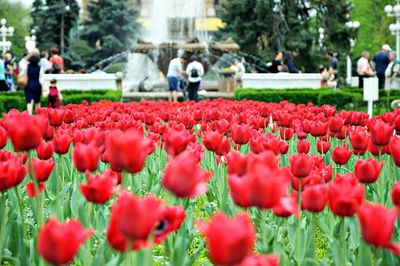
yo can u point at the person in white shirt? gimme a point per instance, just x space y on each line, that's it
45 65
364 69
175 70
195 72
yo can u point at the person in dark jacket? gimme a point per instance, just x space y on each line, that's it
276 63
33 91
289 62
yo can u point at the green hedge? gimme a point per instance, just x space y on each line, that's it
338 98
9 100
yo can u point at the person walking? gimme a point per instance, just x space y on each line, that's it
33 90
9 70
3 84
175 70
364 69
195 72
380 61
57 61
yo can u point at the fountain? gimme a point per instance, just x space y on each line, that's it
173 32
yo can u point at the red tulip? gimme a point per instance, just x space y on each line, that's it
69 117
214 141
12 173
56 117
285 119
286 133
286 207
260 260
335 124
170 220
41 169
380 133
45 150
85 157
319 129
240 134
176 141
396 194
394 148
262 185
58 243
303 146
99 188
33 191
229 241
26 131
341 155
377 226
368 171
301 165
61 142
358 118
359 141
237 163
3 137
314 198
323 146
127 150
138 217
345 195
184 178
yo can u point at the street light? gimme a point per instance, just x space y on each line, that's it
394 12
353 26
5 32
30 41
321 38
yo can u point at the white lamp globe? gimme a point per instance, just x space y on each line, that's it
30 45
3 21
11 30
356 24
392 27
388 9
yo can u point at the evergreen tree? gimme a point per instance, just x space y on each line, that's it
262 27
111 28
50 19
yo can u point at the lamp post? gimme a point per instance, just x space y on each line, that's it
30 41
321 38
5 32
353 26
394 12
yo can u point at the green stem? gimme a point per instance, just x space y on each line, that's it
343 240
2 223
21 213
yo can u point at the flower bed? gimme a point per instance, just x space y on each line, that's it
217 182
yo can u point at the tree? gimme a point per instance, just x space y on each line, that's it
374 30
111 28
53 21
262 27
18 17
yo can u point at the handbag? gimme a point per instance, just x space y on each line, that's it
23 80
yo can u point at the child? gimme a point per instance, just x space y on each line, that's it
54 97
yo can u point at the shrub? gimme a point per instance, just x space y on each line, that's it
339 98
9 100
